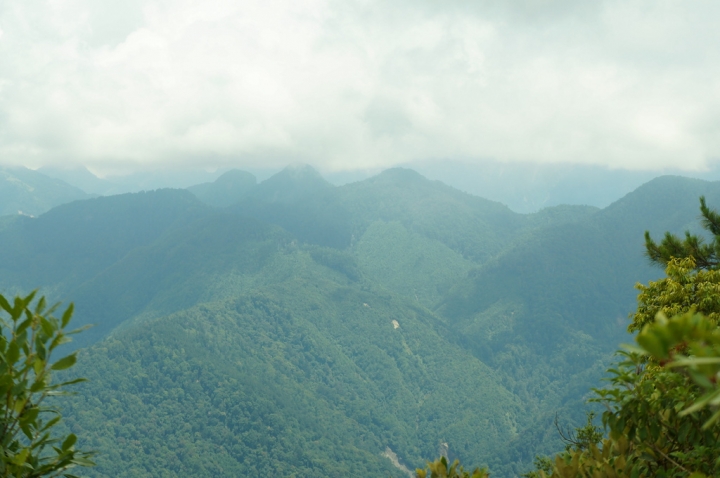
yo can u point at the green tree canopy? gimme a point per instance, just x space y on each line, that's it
684 288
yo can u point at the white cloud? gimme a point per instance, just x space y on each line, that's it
358 84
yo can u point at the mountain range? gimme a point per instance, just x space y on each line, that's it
293 327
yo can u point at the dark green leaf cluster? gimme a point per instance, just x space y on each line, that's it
28 337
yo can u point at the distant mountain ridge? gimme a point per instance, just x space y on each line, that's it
523 187
530 187
230 188
28 192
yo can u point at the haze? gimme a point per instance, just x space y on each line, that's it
357 85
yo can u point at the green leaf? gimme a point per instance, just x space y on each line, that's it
13 353
20 458
690 361
40 305
82 461
65 362
52 422
23 326
713 420
633 349
67 315
30 416
5 305
701 402
40 349
652 344
69 442
59 339
80 329
72 382
38 385
47 327
27 430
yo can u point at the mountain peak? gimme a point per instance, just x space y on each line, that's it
401 175
293 182
300 171
236 177
231 187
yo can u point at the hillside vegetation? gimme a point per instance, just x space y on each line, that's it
295 328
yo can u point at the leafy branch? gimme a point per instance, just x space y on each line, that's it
29 336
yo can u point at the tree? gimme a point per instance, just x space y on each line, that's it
29 334
692 267
684 288
706 256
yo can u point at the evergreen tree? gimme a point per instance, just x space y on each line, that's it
705 255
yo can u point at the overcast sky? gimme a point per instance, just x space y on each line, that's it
358 84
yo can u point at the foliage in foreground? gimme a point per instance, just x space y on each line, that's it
28 337
660 414
440 468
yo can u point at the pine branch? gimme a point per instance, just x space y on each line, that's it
710 218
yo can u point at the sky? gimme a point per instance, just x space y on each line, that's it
359 84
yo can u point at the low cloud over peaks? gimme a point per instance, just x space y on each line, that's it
350 85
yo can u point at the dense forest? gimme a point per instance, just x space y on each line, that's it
295 328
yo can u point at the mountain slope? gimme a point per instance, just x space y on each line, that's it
315 212
312 377
230 188
548 312
24 191
74 242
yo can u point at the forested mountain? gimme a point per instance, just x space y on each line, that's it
118 183
228 189
293 327
72 243
27 192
